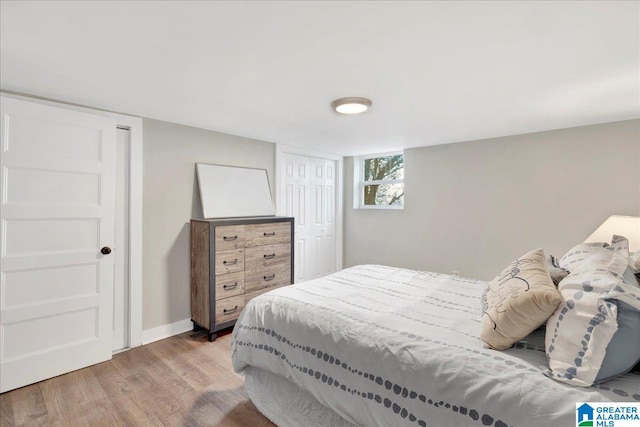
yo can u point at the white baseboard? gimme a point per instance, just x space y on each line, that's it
166 331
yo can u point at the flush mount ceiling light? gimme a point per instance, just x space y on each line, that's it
351 105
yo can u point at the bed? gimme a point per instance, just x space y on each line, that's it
374 345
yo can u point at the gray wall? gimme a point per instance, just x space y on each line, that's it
171 199
474 207
471 207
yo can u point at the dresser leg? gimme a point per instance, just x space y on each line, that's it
212 336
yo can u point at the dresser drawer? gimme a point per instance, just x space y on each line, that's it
267 234
264 256
229 285
229 237
229 308
269 277
229 261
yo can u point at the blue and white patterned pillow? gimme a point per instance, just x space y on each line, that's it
634 267
634 261
580 330
579 253
623 352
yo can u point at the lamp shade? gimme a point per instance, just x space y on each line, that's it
627 226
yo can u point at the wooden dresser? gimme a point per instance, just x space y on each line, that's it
233 261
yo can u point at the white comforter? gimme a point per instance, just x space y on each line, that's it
382 346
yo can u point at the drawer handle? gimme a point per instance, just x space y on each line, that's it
234 262
227 287
273 233
229 239
269 256
231 310
271 277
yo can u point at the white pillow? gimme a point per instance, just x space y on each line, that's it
579 331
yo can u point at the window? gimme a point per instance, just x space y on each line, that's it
380 181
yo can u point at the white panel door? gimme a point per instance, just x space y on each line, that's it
56 213
309 193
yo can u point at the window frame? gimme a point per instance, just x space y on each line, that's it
360 183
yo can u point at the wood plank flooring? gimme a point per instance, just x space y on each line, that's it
179 381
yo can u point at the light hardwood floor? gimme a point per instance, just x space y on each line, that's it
179 381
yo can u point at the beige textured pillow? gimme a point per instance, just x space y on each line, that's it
518 301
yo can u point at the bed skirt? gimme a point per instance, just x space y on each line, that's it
285 404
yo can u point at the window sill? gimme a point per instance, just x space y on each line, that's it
376 208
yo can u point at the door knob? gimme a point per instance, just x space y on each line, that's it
105 250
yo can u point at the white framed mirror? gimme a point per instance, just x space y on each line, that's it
229 191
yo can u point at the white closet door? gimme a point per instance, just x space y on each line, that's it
57 212
309 196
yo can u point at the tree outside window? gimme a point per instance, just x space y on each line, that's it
382 181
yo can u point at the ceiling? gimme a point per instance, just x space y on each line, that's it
437 72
